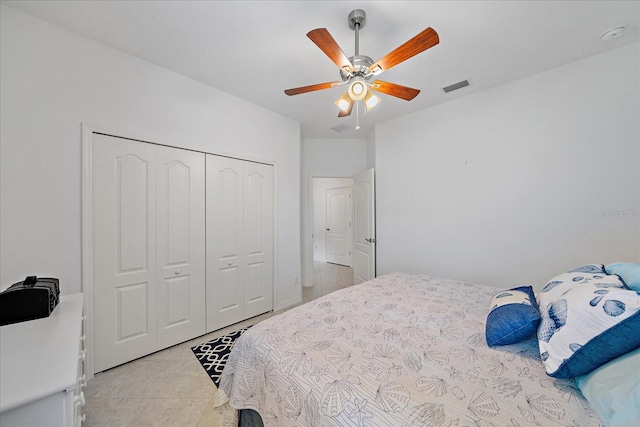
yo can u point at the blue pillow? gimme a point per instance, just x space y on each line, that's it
587 319
513 317
628 271
613 390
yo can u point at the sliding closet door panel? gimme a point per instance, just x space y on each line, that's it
224 241
180 244
258 238
124 262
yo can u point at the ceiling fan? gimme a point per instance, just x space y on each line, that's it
358 71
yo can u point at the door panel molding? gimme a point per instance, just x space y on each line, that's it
239 218
224 241
124 224
180 189
339 230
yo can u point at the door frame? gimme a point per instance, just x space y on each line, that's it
312 219
86 203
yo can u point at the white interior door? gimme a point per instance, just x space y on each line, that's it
224 235
124 250
258 238
180 245
365 227
338 230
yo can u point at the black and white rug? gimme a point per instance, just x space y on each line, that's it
213 354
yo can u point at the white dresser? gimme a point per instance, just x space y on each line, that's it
42 368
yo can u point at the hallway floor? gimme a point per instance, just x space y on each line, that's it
327 278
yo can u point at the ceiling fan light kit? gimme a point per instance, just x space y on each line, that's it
343 102
357 88
371 101
358 70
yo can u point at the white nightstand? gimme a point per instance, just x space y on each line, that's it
42 368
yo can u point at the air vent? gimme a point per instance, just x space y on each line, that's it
341 127
456 86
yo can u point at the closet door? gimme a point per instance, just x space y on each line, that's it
258 238
225 296
180 245
124 250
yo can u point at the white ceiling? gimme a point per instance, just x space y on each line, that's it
256 49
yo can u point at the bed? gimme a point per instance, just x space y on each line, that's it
399 350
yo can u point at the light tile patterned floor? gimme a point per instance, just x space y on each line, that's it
170 388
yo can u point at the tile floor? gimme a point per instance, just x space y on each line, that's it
170 388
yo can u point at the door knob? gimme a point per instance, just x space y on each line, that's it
229 263
176 272
327 229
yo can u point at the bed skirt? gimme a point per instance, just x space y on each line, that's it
231 417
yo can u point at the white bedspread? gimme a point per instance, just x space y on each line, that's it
399 350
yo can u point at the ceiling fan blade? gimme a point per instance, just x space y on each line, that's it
326 43
399 91
348 112
423 41
311 88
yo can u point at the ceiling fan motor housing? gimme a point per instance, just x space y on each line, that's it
361 65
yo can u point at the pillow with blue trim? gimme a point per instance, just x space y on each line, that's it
513 317
587 319
628 272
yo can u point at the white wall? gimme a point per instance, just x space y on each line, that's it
53 80
319 216
515 184
371 149
325 158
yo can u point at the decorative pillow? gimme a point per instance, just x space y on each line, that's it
562 283
628 271
588 319
613 390
513 317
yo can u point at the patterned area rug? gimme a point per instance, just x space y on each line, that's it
213 354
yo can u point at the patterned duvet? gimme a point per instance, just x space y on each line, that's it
399 350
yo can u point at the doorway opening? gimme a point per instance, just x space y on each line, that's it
332 234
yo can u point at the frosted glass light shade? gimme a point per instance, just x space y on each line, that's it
371 101
357 89
343 102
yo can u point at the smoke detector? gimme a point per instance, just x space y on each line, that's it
612 34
